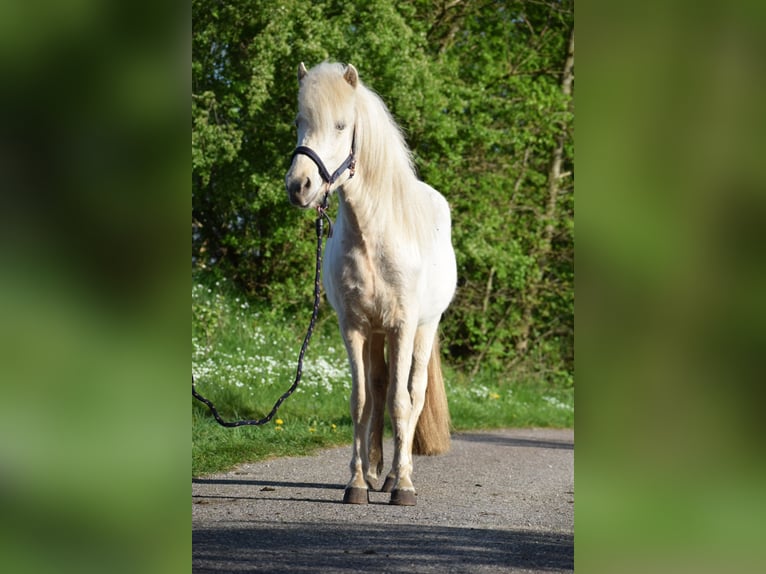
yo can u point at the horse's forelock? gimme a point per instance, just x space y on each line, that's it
324 92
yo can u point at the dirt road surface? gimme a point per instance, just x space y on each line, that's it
499 501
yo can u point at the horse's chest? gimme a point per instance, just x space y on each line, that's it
365 283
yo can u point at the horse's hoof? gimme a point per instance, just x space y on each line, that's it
388 485
402 497
356 495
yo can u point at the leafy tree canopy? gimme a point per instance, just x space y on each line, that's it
484 93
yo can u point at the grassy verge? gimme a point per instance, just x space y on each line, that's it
244 358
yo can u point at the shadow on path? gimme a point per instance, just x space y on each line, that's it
513 441
275 483
362 547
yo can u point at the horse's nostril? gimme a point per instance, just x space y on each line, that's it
293 188
307 184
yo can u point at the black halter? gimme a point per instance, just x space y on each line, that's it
348 164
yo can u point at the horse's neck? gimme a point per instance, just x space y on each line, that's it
360 220
397 217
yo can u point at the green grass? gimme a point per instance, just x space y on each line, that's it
244 358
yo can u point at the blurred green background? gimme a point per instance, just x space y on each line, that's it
670 287
94 429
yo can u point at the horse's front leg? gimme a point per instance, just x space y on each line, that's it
406 400
399 481
357 345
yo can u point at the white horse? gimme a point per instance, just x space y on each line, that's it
389 271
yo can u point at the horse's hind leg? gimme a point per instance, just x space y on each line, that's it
357 346
377 384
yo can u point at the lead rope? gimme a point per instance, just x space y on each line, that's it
321 216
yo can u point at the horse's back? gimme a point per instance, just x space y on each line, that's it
439 267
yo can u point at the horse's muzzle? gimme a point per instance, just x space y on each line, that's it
302 190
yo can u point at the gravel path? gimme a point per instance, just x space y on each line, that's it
499 501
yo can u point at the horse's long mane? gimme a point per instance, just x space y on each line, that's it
385 169
383 155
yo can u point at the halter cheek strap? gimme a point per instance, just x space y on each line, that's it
348 164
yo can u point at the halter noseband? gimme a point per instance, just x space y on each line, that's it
348 164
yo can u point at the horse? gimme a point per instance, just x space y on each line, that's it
389 271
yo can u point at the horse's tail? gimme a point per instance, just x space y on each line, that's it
432 433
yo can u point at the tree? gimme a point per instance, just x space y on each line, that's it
509 174
483 91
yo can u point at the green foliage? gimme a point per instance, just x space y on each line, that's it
477 88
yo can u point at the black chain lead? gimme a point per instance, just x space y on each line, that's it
321 216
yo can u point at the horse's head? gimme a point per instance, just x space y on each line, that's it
325 123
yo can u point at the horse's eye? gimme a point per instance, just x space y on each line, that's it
340 126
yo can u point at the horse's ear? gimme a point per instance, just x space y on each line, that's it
302 71
351 75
